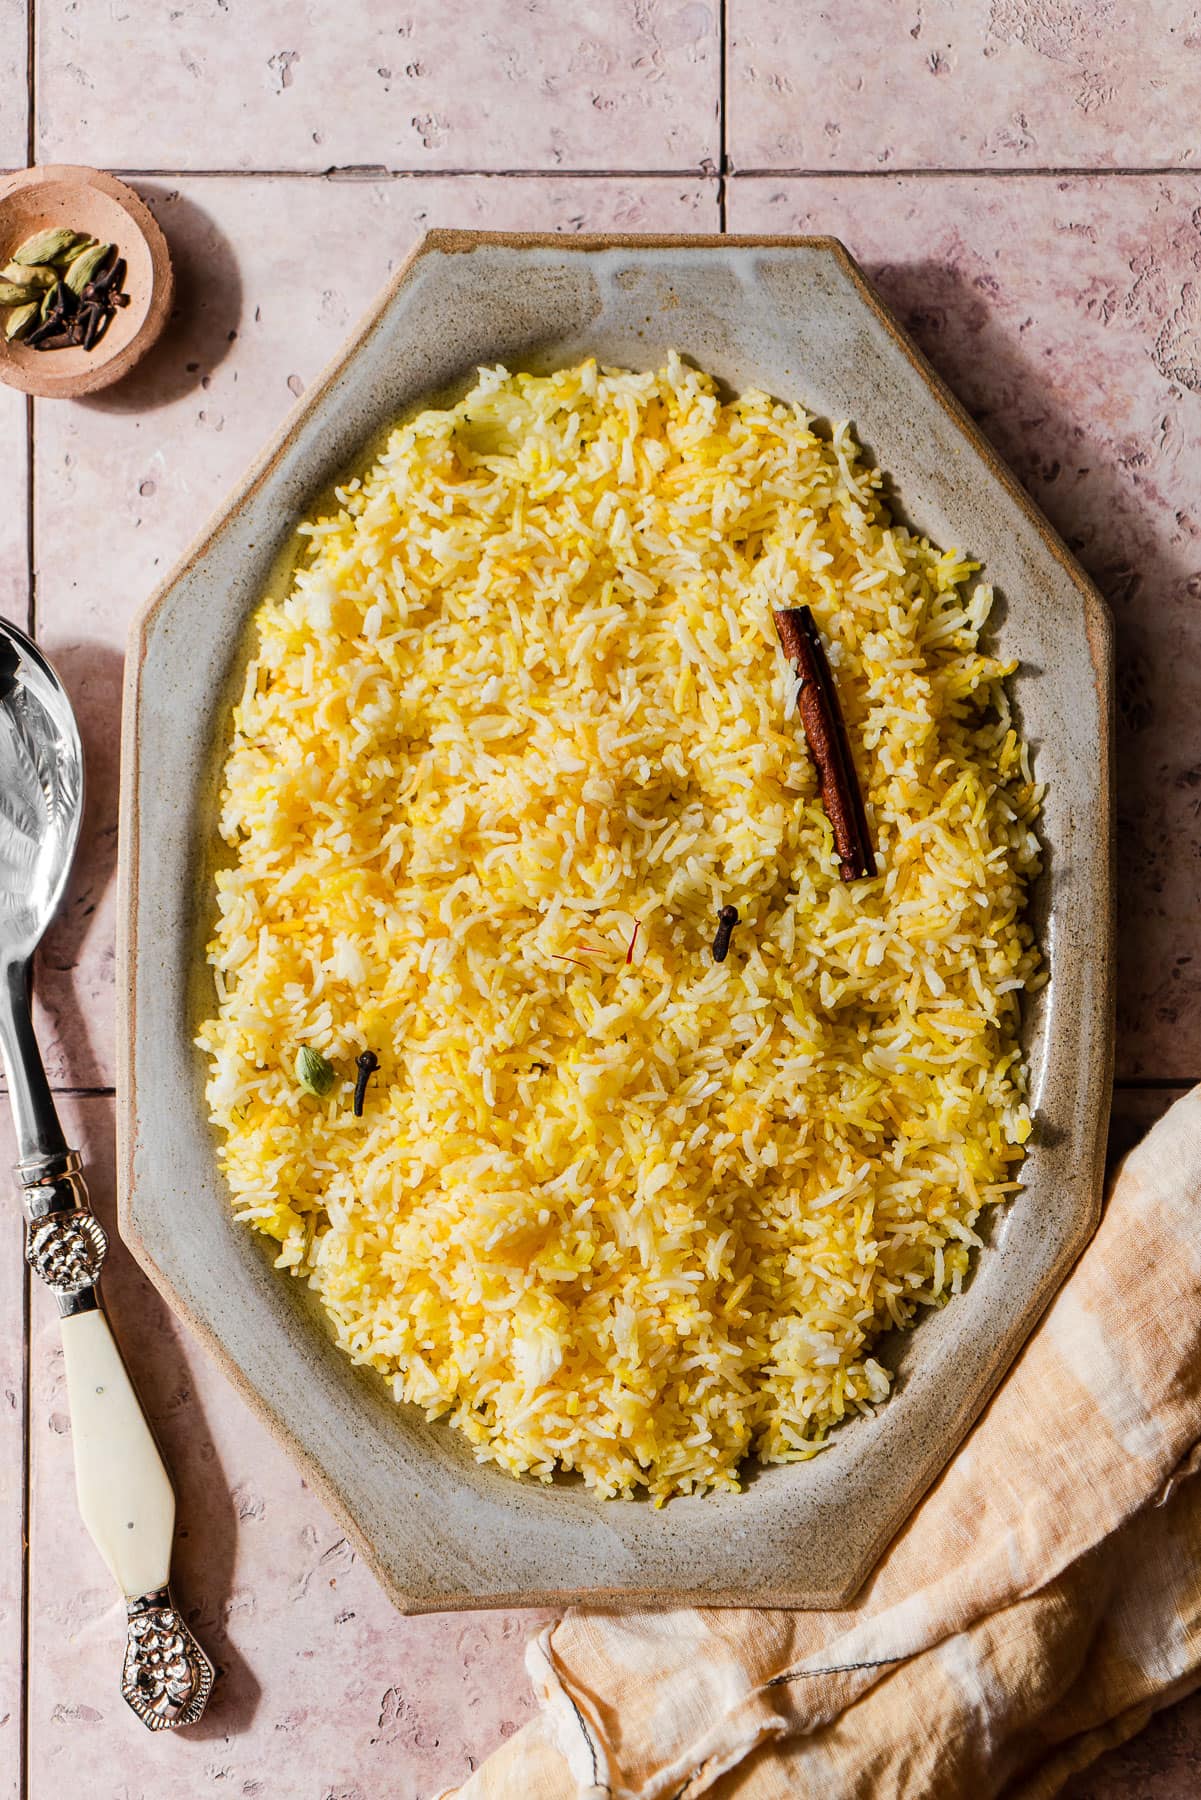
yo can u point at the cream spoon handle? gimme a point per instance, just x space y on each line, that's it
125 1496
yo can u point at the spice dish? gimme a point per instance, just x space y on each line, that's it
81 342
625 1198
796 321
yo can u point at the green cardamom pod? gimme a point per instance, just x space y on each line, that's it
44 246
314 1072
20 320
82 242
48 299
34 280
84 266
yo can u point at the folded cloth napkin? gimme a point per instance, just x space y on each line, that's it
1040 1605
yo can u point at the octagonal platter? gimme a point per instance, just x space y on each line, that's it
795 317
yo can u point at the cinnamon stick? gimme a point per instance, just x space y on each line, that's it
825 732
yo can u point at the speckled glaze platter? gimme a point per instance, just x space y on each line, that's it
797 317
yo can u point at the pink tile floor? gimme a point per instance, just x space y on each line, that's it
1016 175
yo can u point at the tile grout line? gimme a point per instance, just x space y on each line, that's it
23 1750
27 1273
23 1758
1061 172
723 158
31 68
693 172
379 172
1150 1084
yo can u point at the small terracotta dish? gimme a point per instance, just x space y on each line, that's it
87 200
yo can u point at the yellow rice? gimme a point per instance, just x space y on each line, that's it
634 1215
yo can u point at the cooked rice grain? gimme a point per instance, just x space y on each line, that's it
632 1215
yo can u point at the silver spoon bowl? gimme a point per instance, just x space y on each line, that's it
41 810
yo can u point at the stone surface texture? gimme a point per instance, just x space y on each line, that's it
14 508
524 84
962 84
14 111
1061 306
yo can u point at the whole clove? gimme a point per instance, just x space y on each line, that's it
727 918
90 317
57 309
366 1064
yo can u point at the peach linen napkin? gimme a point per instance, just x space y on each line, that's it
1042 1602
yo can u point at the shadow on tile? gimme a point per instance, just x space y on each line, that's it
92 674
204 319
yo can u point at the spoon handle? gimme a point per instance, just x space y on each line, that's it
35 1120
128 1505
125 1494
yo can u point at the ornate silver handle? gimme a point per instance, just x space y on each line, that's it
65 1242
125 1493
167 1678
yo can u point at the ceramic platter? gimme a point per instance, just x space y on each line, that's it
795 317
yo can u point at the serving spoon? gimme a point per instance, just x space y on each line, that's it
125 1493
